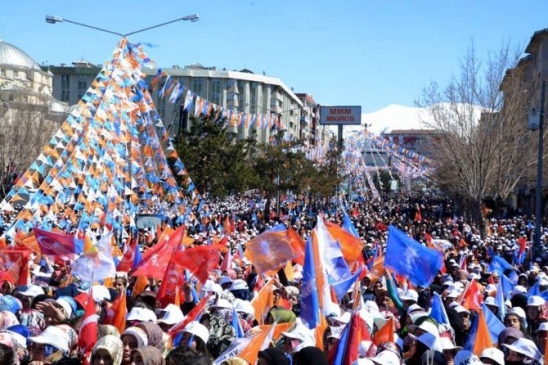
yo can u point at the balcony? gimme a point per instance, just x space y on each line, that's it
276 95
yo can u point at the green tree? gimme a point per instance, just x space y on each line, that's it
281 165
217 163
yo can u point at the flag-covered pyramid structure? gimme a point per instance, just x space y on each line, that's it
109 161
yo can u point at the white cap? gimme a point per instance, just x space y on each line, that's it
301 332
490 288
426 326
518 289
494 354
53 336
525 347
543 327
222 303
535 301
414 307
239 284
410 295
197 329
490 301
386 357
244 306
100 293
465 357
32 291
141 314
518 311
460 309
447 344
172 315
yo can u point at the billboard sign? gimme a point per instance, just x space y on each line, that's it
340 115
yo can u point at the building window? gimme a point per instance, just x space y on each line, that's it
231 97
253 98
161 107
82 83
198 86
216 91
65 82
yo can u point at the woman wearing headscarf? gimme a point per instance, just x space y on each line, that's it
221 332
107 350
148 355
154 335
508 336
132 338
34 321
280 316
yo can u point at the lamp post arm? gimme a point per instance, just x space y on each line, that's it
158 25
92 27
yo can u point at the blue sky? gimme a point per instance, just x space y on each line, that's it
345 52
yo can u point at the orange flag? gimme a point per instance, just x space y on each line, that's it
385 334
377 270
278 329
320 330
351 247
472 297
116 314
140 285
263 301
483 338
297 245
258 343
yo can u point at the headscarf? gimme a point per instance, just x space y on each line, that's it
108 329
283 316
150 354
509 332
113 345
154 335
236 361
219 330
71 334
7 319
33 320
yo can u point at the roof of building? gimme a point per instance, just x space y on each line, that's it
13 56
535 40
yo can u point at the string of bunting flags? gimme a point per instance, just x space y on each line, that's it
110 160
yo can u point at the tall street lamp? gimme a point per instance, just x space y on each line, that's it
52 19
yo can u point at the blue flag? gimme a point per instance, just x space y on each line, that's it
437 310
499 300
499 265
507 286
342 344
493 323
310 305
410 259
236 324
348 226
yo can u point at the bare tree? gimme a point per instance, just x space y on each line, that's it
26 126
484 149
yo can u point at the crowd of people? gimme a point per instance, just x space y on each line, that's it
41 323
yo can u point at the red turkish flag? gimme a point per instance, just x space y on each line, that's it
156 259
88 329
174 277
199 260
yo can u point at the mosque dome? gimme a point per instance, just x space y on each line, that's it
13 56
